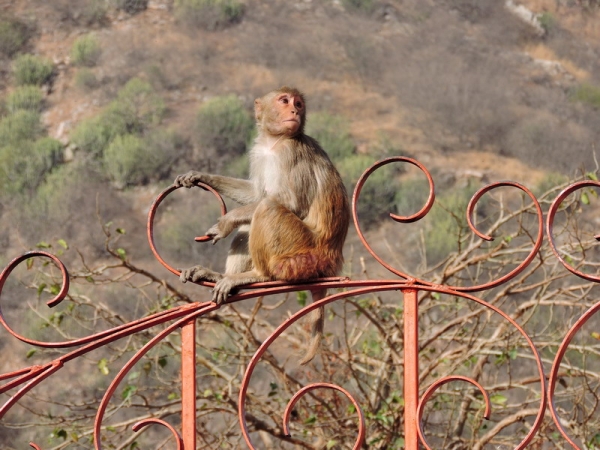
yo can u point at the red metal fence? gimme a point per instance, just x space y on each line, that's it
185 317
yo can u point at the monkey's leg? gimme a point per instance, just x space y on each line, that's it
238 258
281 245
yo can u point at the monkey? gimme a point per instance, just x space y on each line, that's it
294 213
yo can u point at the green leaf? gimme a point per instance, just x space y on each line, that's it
122 253
59 433
311 420
591 176
55 289
41 288
585 199
43 245
63 244
103 366
162 361
498 399
301 297
30 353
120 230
128 392
30 263
332 443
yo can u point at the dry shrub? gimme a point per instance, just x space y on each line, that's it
209 14
13 35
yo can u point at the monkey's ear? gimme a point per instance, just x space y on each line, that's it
258 109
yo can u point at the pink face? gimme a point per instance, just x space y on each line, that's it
290 112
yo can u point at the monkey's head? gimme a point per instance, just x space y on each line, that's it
281 112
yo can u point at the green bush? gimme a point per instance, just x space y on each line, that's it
131 6
86 51
136 108
21 126
547 21
333 134
31 69
85 79
224 125
13 36
49 151
378 195
588 94
162 149
24 165
121 160
25 97
92 136
364 6
132 160
209 14
90 11
447 224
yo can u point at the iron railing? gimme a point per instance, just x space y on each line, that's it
184 317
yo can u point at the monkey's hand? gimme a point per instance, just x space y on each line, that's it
189 179
221 229
198 273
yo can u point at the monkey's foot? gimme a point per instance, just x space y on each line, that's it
199 273
225 286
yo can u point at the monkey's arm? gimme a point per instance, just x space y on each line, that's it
241 191
230 221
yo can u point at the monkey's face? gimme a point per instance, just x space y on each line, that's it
281 114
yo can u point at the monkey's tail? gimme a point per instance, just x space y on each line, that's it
317 322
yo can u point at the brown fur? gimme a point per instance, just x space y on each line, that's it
294 202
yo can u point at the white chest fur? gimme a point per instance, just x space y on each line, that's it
266 169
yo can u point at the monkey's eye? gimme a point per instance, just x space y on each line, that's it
299 105
284 100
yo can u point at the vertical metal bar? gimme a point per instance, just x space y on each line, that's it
411 368
188 385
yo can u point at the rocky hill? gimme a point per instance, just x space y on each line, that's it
480 89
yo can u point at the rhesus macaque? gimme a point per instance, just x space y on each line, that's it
294 215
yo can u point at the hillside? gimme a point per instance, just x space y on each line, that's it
473 89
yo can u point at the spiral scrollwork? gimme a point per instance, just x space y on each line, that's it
550 227
51 303
403 219
431 391
361 417
534 250
470 211
580 323
154 421
152 215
